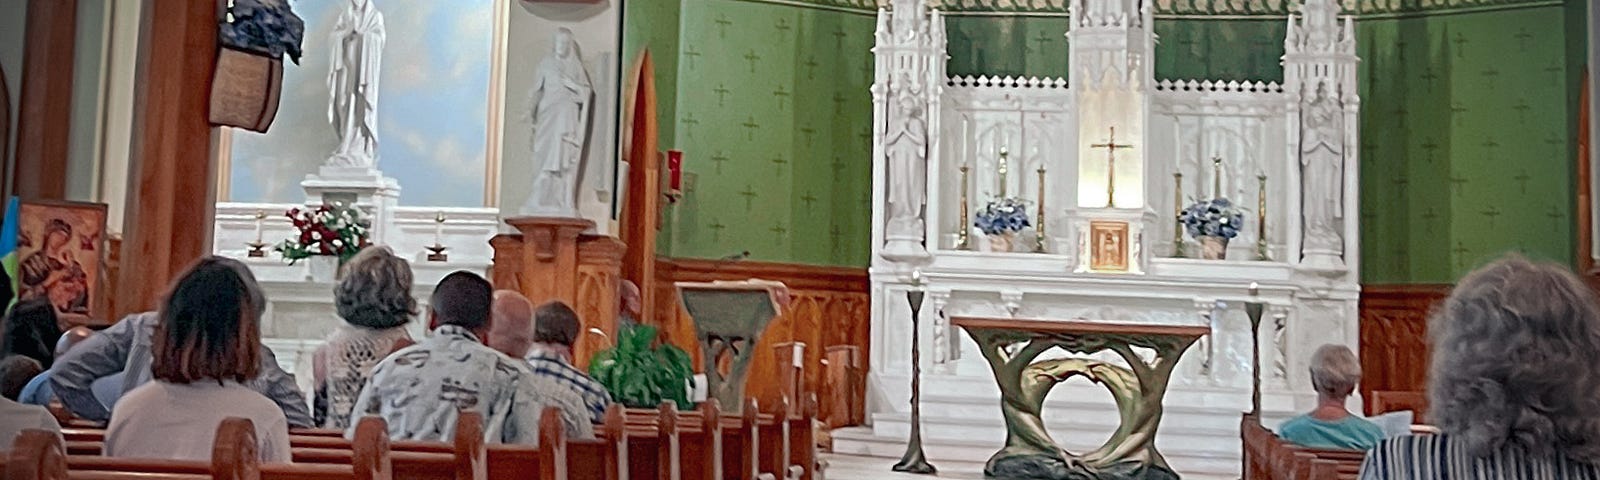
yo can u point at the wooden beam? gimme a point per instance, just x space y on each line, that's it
641 212
171 195
44 111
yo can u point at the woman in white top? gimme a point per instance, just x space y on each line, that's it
204 347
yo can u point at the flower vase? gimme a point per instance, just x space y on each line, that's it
1213 248
322 268
1001 242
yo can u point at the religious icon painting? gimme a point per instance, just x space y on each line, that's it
1108 246
60 248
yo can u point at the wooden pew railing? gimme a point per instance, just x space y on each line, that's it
1267 457
665 444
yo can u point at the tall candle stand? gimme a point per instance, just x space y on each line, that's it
964 227
1038 231
258 248
1253 309
436 251
1177 215
1262 253
914 460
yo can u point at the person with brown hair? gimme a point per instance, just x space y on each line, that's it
374 300
555 331
125 349
422 389
16 417
206 345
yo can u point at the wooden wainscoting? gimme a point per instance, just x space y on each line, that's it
831 307
1394 336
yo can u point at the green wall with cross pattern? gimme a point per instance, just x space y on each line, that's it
1467 119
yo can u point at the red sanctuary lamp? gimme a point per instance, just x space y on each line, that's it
674 175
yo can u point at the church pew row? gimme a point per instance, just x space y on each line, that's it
1267 457
40 455
741 447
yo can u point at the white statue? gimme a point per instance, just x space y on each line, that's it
906 147
1322 165
357 50
558 106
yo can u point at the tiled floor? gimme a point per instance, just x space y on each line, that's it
847 467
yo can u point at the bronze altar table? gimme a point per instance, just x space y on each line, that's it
1011 345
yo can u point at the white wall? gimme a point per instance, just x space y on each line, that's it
598 31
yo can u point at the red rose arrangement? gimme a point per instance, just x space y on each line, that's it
335 230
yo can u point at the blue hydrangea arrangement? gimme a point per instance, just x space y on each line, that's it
1003 216
266 26
1217 217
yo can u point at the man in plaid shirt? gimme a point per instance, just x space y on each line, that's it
555 330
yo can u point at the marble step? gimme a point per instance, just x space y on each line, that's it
1075 435
862 441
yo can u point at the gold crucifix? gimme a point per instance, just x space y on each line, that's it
1111 147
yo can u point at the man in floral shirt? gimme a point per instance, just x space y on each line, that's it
420 390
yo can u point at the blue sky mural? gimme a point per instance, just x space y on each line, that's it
432 107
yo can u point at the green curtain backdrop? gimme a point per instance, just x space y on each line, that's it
1466 122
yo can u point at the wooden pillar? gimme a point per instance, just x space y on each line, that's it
172 172
641 212
44 111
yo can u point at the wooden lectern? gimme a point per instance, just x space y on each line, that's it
729 317
553 259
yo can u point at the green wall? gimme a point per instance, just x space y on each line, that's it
773 114
1466 149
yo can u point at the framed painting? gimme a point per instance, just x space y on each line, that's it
1108 246
60 248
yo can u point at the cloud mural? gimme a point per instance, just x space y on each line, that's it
432 107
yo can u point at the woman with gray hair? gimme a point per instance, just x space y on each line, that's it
1334 374
374 299
1513 386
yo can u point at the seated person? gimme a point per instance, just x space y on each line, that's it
555 332
38 392
31 330
374 301
630 304
1334 374
206 346
1512 385
15 417
126 347
421 389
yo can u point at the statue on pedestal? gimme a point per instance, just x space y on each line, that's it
558 107
1322 164
357 49
907 149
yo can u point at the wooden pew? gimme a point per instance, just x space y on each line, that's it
35 455
234 457
1267 457
462 459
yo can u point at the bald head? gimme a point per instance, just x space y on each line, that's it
71 337
512 328
630 299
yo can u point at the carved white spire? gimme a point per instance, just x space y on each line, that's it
1320 79
910 72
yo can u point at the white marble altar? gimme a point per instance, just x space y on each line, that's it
1172 126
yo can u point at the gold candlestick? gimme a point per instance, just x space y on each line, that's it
258 248
1261 219
1216 177
1005 166
1038 232
1177 215
962 240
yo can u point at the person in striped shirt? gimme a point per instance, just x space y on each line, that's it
555 331
1514 386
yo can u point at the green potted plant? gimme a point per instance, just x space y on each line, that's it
640 372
